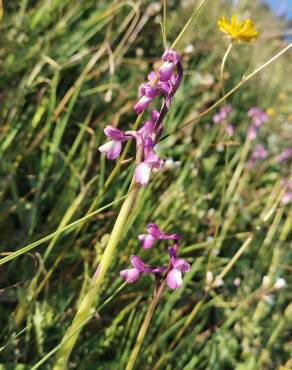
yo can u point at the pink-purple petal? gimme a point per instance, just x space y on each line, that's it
112 149
137 263
165 71
181 265
142 104
174 279
142 173
114 133
146 240
130 275
153 230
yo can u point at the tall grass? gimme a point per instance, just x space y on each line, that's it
69 68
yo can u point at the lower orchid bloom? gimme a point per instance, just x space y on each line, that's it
133 274
172 272
174 276
154 233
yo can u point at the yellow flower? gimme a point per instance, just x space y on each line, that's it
270 111
239 31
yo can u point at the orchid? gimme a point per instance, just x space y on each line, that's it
177 267
286 155
154 233
172 273
113 148
165 84
223 114
257 116
170 59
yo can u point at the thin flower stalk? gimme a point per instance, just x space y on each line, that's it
144 327
223 66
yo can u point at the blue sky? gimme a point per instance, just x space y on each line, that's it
280 7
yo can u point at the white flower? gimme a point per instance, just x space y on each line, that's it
189 49
218 282
280 283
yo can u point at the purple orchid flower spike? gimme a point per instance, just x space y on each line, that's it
154 233
165 85
112 149
223 114
286 155
257 116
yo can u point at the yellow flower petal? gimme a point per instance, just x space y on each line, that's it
239 31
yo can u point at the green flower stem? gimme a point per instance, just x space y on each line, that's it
144 327
86 305
221 78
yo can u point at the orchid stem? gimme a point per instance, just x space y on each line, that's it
86 305
144 327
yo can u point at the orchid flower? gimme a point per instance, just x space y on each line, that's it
286 155
171 273
177 267
223 114
257 116
252 132
170 59
154 233
131 275
151 160
113 148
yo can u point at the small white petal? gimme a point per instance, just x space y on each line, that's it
280 283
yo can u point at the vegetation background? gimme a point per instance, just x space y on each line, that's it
68 68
